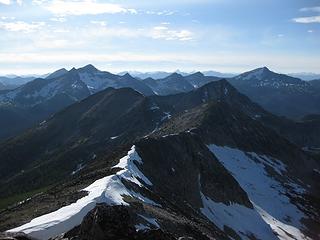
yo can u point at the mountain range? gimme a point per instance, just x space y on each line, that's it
35 101
161 74
8 83
207 163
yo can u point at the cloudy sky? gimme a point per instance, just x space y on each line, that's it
39 36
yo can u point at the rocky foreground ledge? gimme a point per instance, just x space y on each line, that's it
104 222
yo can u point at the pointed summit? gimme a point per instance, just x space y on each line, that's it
127 75
196 74
89 68
175 75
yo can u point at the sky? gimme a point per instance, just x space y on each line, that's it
40 36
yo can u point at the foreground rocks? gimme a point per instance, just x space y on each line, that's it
114 223
14 236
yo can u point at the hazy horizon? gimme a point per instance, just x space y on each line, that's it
42 73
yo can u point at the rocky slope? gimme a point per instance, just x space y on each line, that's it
198 165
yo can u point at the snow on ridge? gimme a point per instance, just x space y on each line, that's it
109 190
268 195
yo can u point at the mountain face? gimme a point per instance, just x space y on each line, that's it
278 93
195 165
57 73
161 75
8 83
154 75
315 83
218 74
176 83
2 86
41 98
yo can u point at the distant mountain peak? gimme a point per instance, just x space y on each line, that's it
127 75
174 75
197 74
73 69
261 70
89 68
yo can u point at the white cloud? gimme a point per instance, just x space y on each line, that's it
311 9
226 61
84 7
313 19
99 23
7 18
163 32
6 2
310 31
160 13
20 26
59 19
39 2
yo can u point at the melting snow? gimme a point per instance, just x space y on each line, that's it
268 195
108 190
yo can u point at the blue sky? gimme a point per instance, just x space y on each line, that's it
39 36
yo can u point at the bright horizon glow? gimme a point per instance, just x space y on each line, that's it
41 36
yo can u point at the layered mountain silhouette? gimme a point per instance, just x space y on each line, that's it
41 98
204 164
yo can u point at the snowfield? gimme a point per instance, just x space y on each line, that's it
268 195
108 190
273 215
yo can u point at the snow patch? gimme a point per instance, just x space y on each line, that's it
109 190
243 220
268 195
